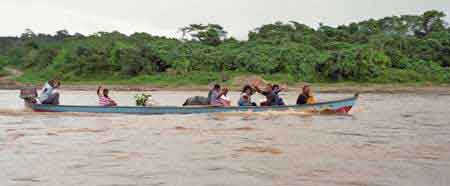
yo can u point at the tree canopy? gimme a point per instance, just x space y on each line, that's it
406 48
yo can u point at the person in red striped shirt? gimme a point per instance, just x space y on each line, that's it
104 99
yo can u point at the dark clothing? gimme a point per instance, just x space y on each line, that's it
305 99
209 96
279 101
302 99
272 98
196 100
52 99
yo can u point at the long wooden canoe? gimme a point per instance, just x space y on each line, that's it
340 106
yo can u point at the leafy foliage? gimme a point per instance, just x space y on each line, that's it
405 48
143 100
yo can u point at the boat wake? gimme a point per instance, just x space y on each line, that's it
15 112
281 113
28 112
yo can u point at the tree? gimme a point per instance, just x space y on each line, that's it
28 34
392 49
210 34
432 21
62 34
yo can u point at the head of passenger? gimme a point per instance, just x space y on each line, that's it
225 91
57 84
307 90
217 87
105 92
275 87
52 82
247 90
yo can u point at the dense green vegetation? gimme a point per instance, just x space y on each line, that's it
3 72
407 48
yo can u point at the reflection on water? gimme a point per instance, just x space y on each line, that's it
399 139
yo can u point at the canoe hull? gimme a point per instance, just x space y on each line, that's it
340 106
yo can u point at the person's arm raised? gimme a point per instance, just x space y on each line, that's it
257 89
98 90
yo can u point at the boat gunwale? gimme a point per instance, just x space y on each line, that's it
42 106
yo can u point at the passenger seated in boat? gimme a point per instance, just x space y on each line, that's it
216 88
214 95
271 93
246 97
225 99
202 100
50 94
306 97
104 99
278 99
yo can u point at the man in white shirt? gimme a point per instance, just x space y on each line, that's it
50 94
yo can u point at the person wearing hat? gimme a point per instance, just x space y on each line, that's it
306 97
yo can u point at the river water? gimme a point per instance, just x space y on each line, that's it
388 139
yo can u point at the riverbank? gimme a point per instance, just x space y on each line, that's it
13 81
323 88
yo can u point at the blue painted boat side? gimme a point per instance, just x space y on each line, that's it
332 105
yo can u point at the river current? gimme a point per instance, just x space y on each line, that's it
388 139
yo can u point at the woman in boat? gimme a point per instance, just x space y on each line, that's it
50 94
246 97
306 97
225 99
104 99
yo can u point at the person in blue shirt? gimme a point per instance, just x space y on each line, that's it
246 97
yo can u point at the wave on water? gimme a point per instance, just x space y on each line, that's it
29 112
238 129
80 130
277 113
15 112
258 149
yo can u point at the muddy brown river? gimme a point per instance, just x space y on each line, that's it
388 139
